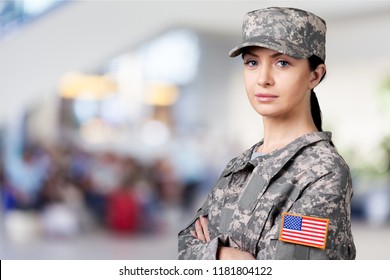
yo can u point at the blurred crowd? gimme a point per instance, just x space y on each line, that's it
69 190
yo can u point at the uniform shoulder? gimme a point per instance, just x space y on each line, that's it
325 162
328 154
323 158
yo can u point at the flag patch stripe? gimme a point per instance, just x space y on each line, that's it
306 240
294 232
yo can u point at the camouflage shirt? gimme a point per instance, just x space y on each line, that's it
244 208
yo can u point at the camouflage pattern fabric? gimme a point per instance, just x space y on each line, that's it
307 177
291 31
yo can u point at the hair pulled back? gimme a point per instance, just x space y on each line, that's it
316 114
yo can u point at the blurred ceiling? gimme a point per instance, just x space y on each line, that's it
150 17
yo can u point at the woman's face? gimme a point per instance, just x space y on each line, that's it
277 85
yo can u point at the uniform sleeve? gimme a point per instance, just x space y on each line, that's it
329 197
191 248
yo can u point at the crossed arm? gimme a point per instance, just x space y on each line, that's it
224 253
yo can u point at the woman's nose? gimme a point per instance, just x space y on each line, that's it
264 78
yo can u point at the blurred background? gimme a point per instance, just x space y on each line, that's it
118 116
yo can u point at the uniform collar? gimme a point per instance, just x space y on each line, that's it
278 158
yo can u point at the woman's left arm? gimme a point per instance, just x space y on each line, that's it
223 253
329 197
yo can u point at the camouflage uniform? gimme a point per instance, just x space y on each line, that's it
307 177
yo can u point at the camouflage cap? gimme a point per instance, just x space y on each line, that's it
291 31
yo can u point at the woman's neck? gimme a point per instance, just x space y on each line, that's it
280 132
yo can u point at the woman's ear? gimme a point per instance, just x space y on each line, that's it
316 75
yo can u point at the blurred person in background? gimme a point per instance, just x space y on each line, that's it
25 177
123 211
105 176
129 206
168 186
289 195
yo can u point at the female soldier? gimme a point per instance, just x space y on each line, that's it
288 196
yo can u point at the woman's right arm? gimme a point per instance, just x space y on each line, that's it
195 244
199 241
223 252
190 247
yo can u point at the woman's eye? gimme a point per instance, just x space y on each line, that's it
283 63
250 63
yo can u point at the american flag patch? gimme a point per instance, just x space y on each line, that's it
304 230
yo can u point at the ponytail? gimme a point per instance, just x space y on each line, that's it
316 114
315 110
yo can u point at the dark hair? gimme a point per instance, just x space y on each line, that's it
316 114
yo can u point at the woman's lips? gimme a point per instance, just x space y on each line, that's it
265 97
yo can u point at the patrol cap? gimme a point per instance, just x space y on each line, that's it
291 31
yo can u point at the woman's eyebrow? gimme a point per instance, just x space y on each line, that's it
274 55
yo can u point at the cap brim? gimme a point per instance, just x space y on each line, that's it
269 43
240 48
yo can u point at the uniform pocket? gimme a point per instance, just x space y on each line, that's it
226 219
290 251
251 193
